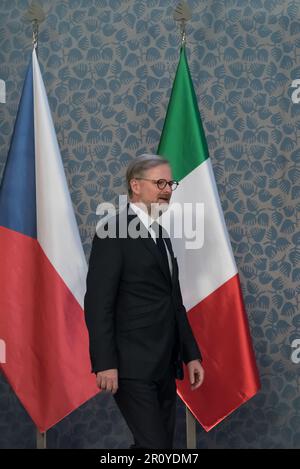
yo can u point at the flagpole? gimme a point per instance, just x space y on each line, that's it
191 442
41 439
182 14
35 15
35 34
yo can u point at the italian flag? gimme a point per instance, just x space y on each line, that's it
208 275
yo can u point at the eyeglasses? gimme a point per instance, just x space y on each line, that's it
162 183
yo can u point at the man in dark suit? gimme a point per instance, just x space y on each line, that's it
138 328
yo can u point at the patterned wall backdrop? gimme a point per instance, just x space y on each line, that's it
108 66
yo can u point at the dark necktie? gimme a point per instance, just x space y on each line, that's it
157 228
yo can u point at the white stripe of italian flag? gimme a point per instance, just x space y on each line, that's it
208 275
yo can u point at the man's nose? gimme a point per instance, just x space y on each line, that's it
168 189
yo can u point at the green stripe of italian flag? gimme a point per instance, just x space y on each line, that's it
208 275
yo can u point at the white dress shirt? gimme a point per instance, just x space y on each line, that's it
147 222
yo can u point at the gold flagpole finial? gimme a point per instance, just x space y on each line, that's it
36 16
182 14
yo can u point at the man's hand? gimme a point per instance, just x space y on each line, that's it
107 380
196 374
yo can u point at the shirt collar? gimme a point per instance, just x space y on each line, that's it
143 216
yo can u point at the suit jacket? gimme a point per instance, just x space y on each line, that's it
136 320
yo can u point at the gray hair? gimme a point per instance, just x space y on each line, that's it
140 164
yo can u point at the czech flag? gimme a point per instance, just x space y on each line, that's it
42 269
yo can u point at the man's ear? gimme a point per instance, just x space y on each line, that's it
135 186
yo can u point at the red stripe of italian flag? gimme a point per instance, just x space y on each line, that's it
208 275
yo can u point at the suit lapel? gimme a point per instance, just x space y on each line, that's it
150 244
